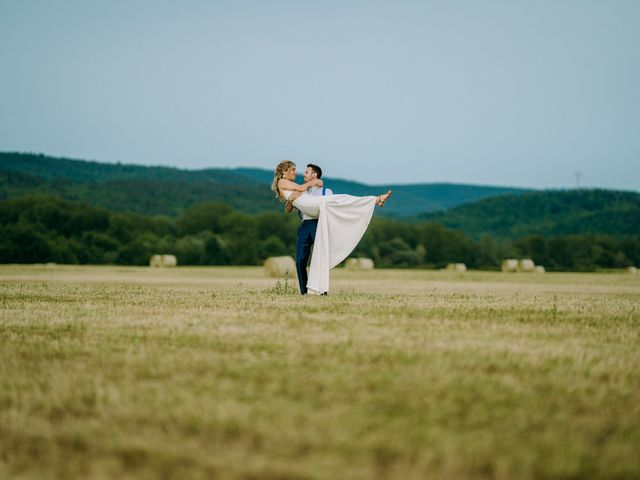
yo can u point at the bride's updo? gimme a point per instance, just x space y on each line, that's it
282 167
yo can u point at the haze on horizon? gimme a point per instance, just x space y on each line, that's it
497 92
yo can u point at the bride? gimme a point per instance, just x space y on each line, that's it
342 221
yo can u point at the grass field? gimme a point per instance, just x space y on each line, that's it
109 372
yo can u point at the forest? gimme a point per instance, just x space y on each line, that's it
156 190
85 212
45 228
547 213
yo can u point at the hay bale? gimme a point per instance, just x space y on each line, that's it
526 265
359 264
278 267
351 264
539 269
510 265
456 267
365 264
163 261
169 261
632 270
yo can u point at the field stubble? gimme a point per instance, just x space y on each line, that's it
120 372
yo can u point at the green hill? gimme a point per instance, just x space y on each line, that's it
170 191
476 210
122 214
546 213
83 171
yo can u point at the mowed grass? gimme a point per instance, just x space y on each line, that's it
110 372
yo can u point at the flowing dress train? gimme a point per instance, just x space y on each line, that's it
342 221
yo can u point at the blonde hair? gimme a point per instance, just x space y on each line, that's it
282 167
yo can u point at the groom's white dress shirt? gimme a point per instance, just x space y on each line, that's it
317 191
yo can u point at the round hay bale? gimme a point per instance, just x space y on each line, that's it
359 264
278 267
456 267
510 265
632 270
540 269
163 261
526 265
351 264
169 261
365 264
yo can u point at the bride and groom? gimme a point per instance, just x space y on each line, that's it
333 224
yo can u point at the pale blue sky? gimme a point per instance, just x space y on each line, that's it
507 92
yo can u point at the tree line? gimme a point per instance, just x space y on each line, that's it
40 228
548 213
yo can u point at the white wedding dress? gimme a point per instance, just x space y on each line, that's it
342 221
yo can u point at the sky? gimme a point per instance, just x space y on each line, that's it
521 93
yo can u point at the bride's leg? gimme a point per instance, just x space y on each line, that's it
383 198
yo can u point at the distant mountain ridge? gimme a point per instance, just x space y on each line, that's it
169 191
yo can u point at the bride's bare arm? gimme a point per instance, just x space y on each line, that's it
284 184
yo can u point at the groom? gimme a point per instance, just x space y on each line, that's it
307 231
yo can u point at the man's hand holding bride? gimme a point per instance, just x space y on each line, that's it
316 182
